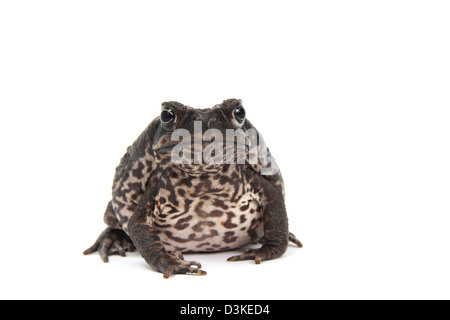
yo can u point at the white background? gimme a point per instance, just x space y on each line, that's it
352 97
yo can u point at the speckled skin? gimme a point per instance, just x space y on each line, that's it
162 208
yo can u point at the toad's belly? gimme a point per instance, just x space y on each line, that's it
207 225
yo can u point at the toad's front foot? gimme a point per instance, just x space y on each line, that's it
174 263
111 241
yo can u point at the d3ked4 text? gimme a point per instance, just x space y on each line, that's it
246 309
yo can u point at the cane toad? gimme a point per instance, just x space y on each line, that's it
218 195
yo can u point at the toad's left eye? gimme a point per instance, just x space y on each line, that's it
167 117
239 114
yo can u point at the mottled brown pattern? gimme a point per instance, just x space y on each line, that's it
162 208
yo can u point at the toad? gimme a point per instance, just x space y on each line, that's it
196 180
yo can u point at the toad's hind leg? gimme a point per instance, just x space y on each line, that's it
111 241
293 239
255 254
110 217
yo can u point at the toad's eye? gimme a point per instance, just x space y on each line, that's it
167 117
239 114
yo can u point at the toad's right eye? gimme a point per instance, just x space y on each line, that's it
167 117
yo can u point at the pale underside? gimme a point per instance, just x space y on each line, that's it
206 224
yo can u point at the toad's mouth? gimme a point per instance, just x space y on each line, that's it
202 155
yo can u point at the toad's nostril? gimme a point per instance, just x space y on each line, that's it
210 121
197 117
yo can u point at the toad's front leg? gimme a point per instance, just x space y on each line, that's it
276 231
148 243
152 250
276 237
